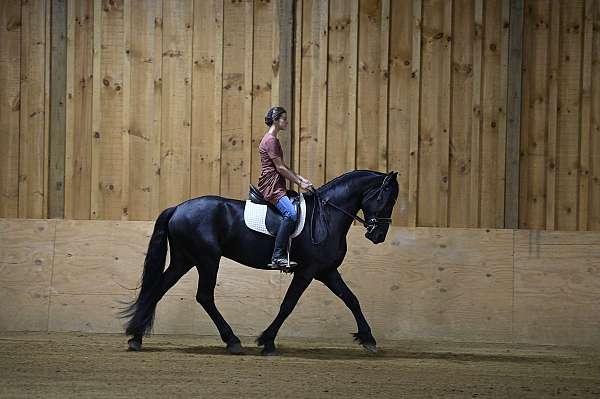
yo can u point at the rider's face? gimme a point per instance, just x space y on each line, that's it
282 122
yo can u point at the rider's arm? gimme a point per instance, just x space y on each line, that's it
289 174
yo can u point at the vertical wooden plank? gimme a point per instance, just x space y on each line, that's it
248 100
235 143
475 196
110 135
534 118
341 85
10 54
594 210
265 72
79 109
47 62
176 104
552 117
569 108
515 62
586 126
58 87
415 113
31 141
145 53
206 103
126 122
462 124
313 91
283 67
298 48
435 116
371 136
400 100
494 115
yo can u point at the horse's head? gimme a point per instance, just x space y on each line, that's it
377 204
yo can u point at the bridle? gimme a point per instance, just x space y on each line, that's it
370 223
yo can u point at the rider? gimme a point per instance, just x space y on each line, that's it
272 185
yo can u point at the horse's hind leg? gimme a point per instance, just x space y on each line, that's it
174 272
207 279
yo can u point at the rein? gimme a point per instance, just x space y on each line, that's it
368 224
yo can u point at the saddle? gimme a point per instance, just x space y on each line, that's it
262 216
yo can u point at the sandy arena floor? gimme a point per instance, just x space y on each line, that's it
95 365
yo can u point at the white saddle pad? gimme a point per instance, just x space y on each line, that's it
255 215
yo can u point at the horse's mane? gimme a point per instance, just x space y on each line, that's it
347 176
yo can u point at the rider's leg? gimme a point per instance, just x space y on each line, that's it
288 210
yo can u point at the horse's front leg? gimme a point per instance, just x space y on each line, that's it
295 290
333 280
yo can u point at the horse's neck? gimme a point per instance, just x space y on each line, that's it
348 196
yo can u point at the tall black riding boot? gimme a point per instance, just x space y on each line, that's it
279 259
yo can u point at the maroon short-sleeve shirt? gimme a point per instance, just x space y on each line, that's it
270 183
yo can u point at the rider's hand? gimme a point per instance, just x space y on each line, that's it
305 184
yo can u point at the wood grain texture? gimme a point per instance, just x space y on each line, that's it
32 134
557 287
78 155
534 115
26 255
176 102
342 82
206 98
57 107
144 99
10 74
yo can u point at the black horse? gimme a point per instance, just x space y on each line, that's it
202 230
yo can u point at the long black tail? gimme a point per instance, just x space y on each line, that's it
141 311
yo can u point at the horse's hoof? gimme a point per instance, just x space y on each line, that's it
272 352
134 345
236 349
370 348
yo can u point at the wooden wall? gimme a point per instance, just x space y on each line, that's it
423 283
487 109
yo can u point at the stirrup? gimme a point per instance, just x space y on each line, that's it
283 265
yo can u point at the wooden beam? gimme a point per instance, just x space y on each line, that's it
513 131
285 63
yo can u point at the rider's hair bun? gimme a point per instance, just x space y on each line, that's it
273 114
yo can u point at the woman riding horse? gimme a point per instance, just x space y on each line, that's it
271 184
202 230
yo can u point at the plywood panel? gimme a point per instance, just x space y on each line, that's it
109 131
569 108
400 67
206 98
462 122
534 112
10 53
371 133
435 114
101 257
144 122
79 109
341 88
313 90
32 195
87 313
26 250
176 117
557 287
